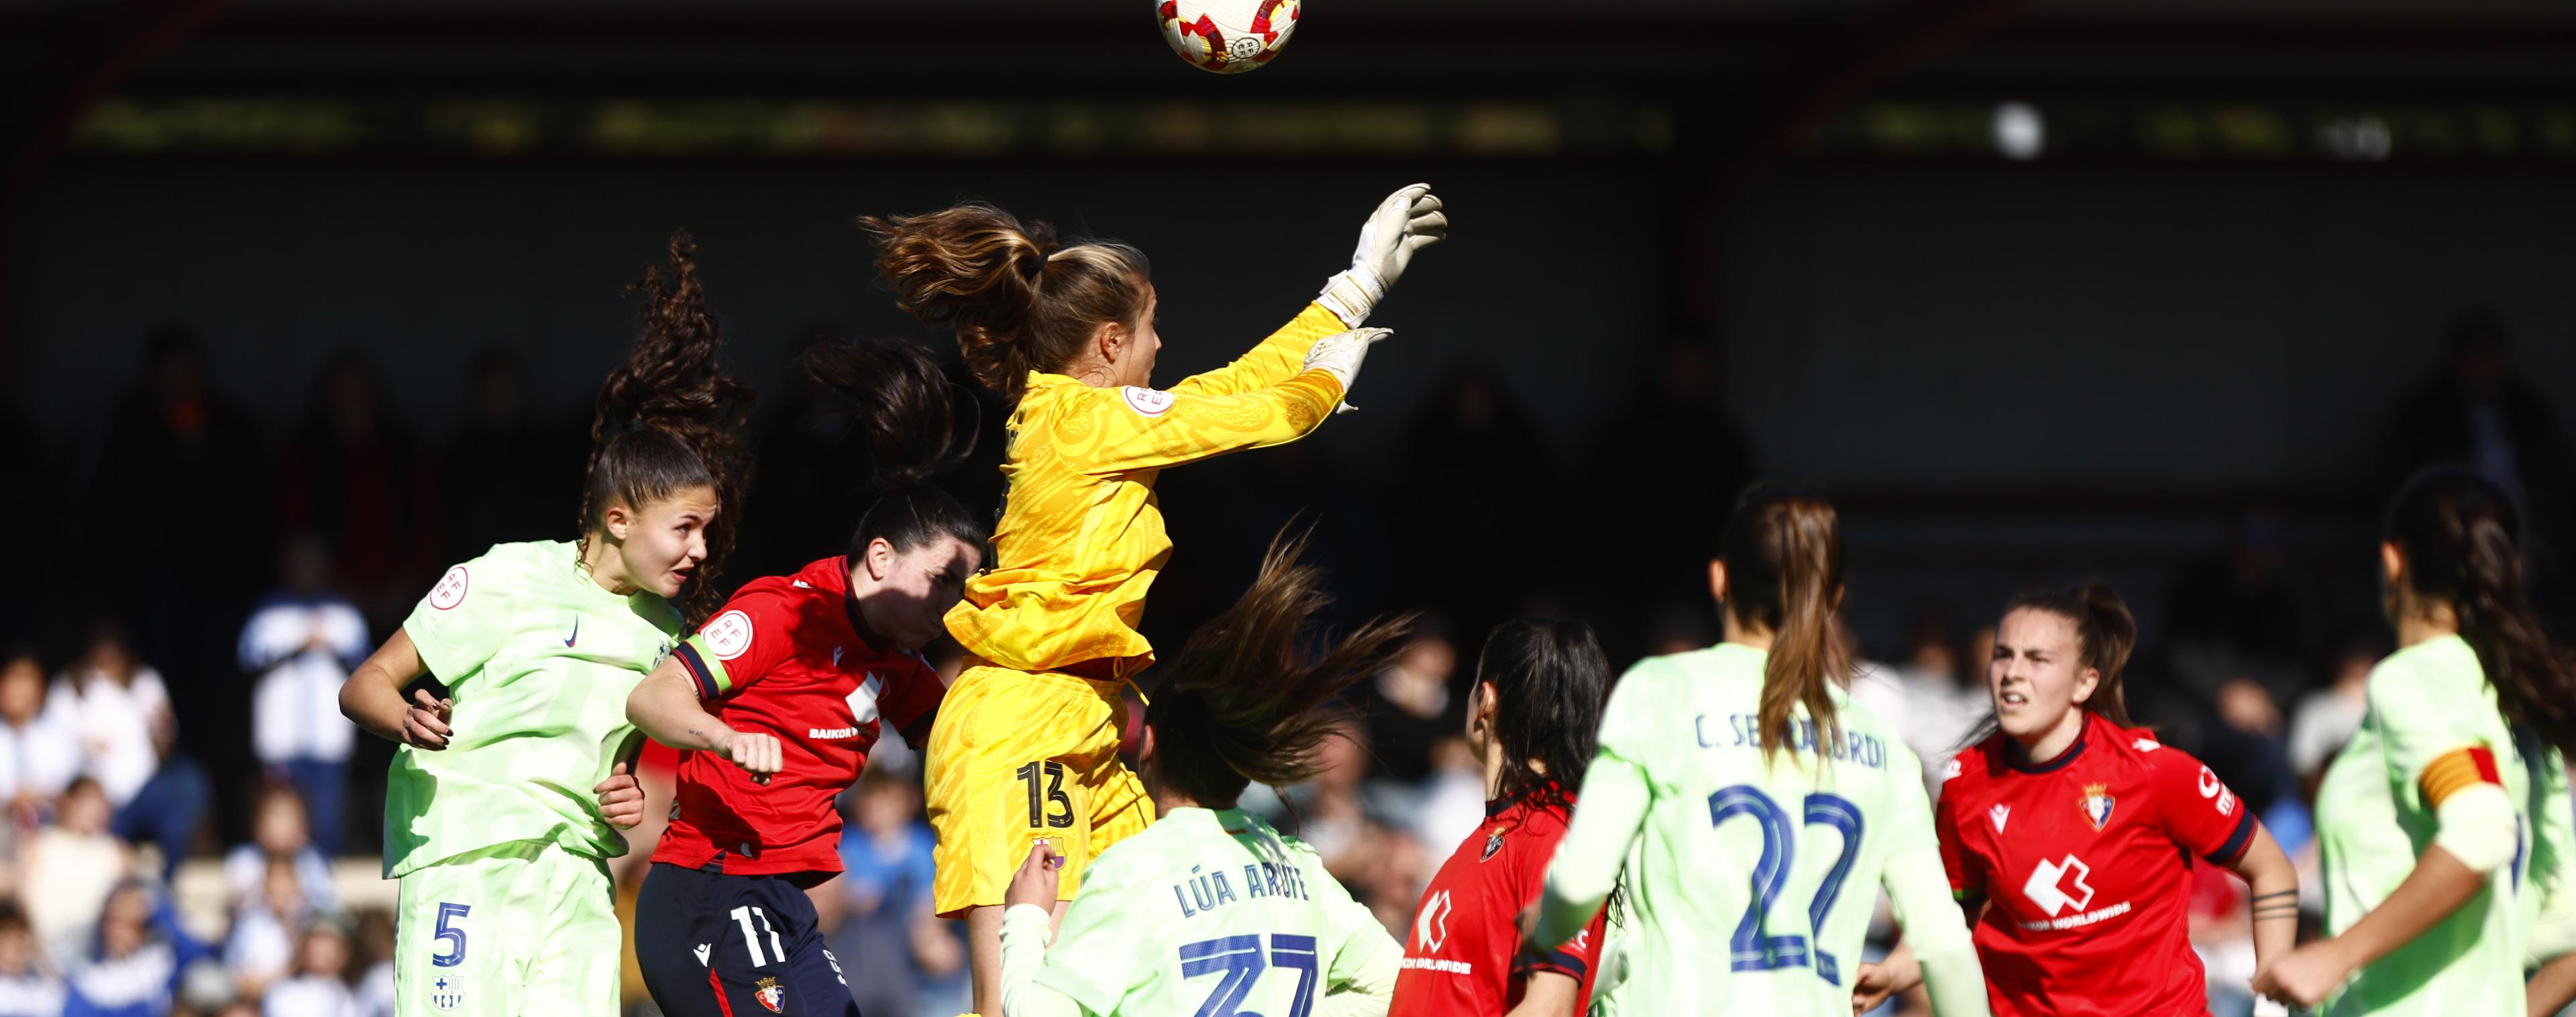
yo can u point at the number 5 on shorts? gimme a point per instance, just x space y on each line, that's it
450 934
1054 808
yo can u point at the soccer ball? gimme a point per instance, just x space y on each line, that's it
1227 36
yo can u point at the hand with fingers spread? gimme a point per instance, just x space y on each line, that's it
621 798
425 723
1340 355
1407 221
758 754
1035 882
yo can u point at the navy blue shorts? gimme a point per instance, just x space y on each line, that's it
713 945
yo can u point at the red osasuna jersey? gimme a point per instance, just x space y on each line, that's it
2084 863
788 656
1462 956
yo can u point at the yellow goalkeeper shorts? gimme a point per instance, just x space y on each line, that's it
1017 757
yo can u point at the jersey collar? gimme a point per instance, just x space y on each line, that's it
2015 757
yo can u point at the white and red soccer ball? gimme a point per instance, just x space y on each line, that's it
1227 36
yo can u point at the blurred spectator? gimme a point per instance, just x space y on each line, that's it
1300 483
38 751
2477 412
175 440
302 643
352 473
1451 802
2329 717
1410 705
2222 934
28 986
69 870
2237 618
811 486
262 947
1331 814
1472 480
375 993
1677 460
894 950
279 835
507 477
34 507
121 712
320 987
1925 696
140 955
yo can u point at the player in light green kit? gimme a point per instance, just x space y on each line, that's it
503 801
1210 911
2445 823
1764 806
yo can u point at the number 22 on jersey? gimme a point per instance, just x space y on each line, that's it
1752 948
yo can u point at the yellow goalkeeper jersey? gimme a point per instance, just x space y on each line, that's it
1081 535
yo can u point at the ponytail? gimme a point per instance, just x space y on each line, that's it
1246 700
900 419
1018 300
1550 679
1783 550
2105 635
669 419
2461 537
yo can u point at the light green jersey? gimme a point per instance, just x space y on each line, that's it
2428 701
1209 912
539 659
1753 881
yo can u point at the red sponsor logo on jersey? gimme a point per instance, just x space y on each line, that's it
450 590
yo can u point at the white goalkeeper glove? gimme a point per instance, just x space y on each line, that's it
1340 355
1407 221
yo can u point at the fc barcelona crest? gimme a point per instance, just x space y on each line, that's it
2097 804
771 996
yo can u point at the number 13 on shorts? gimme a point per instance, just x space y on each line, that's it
1049 806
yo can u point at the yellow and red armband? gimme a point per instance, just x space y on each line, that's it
2456 770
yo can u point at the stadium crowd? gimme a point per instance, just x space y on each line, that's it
191 823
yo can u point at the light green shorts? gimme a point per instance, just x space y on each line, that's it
523 928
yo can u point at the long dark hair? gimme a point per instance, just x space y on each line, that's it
902 421
1245 701
1783 550
2105 634
2461 536
1549 677
669 419
1019 299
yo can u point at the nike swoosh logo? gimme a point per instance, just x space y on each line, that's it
576 633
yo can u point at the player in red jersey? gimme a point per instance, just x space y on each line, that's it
774 704
2070 835
1532 717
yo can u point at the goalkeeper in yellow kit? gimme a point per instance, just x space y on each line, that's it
1025 747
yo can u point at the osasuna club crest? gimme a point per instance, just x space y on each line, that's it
2097 802
771 996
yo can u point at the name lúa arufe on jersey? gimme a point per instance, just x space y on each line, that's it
1212 890
1855 747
